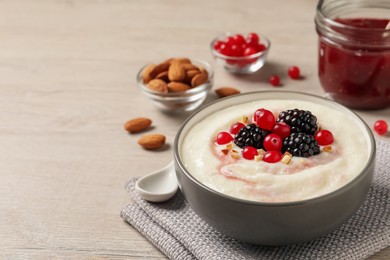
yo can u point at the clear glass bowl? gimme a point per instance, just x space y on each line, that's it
244 64
177 102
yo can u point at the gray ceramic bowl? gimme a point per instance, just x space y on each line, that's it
273 223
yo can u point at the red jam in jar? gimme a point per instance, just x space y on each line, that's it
354 55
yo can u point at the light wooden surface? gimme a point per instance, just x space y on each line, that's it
67 85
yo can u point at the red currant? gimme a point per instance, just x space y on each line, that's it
225 49
272 156
264 118
259 47
294 72
244 46
252 39
230 40
324 137
274 80
237 50
249 152
236 127
223 138
237 46
281 129
217 45
249 51
272 142
380 127
239 39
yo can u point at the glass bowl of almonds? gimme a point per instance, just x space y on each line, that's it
176 84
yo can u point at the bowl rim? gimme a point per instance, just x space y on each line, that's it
263 39
186 93
370 161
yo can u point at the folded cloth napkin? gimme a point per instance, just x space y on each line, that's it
178 232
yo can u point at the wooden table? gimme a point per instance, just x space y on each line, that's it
67 85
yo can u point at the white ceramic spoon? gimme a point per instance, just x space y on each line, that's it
158 186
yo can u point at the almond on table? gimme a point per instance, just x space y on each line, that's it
152 141
138 124
226 91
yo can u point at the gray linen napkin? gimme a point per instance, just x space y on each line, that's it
178 232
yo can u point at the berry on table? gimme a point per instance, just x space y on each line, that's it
264 118
381 127
324 137
272 156
235 127
223 138
294 72
274 80
272 142
249 152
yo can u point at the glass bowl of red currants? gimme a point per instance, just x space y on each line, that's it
239 54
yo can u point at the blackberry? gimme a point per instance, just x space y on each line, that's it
250 135
301 144
299 120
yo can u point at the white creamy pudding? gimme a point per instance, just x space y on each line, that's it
299 179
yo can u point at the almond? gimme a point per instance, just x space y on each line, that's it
146 77
180 60
152 141
286 159
234 154
201 69
137 124
159 68
190 74
226 91
244 119
177 87
158 85
190 66
327 148
163 76
168 61
225 151
199 79
176 71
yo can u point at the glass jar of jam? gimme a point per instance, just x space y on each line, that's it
354 51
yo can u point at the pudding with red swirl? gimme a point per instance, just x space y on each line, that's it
275 150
